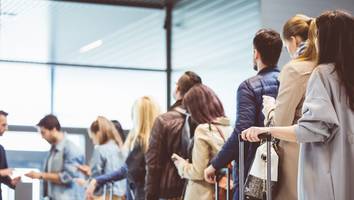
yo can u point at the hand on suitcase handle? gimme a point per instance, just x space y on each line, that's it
255 134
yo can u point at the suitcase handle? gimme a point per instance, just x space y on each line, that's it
263 136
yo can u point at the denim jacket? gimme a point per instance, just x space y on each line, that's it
106 159
63 159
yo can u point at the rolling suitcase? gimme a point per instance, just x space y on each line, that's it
110 196
268 138
221 173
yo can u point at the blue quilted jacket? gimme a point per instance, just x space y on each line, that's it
248 113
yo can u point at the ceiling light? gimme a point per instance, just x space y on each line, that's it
91 46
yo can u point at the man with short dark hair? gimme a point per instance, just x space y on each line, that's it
5 172
267 47
61 166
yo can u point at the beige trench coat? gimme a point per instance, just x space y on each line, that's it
207 143
293 82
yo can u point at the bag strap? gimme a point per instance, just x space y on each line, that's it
219 131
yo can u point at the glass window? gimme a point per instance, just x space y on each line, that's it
208 42
81 94
25 30
109 35
25 92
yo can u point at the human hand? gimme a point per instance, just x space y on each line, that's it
90 189
85 169
6 172
251 134
15 181
80 181
178 160
209 174
34 175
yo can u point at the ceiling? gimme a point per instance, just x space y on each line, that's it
204 33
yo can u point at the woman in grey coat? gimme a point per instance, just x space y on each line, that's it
326 129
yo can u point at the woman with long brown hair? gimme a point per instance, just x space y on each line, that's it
213 130
326 129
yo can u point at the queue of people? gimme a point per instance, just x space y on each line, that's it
308 105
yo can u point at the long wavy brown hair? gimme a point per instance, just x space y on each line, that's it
203 104
336 45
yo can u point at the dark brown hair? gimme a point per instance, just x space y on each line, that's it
268 43
187 81
50 122
3 113
203 104
336 45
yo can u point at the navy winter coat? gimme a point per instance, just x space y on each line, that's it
248 113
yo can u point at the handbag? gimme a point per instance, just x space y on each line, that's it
255 186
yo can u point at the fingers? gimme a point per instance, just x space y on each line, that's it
250 134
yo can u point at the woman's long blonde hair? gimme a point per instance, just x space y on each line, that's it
104 130
144 112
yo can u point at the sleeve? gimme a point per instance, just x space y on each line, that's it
153 161
319 120
245 118
200 159
97 163
72 158
291 91
6 179
114 176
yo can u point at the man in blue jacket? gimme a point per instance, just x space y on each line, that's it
267 48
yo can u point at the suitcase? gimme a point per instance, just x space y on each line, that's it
241 165
222 172
110 191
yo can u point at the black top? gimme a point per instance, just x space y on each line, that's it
3 165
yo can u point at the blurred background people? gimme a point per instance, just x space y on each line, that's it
144 112
60 168
108 156
5 172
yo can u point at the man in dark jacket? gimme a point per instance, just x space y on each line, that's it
5 172
168 136
267 48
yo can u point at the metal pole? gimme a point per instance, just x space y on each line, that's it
241 167
168 28
269 170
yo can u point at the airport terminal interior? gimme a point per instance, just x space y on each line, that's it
79 59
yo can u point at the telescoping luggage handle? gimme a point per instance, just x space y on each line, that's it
110 191
264 136
219 175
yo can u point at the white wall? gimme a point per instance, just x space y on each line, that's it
275 13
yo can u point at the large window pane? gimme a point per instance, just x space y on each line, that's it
25 30
108 35
25 92
214 39
83 93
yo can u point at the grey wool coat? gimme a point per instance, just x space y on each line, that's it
326 136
